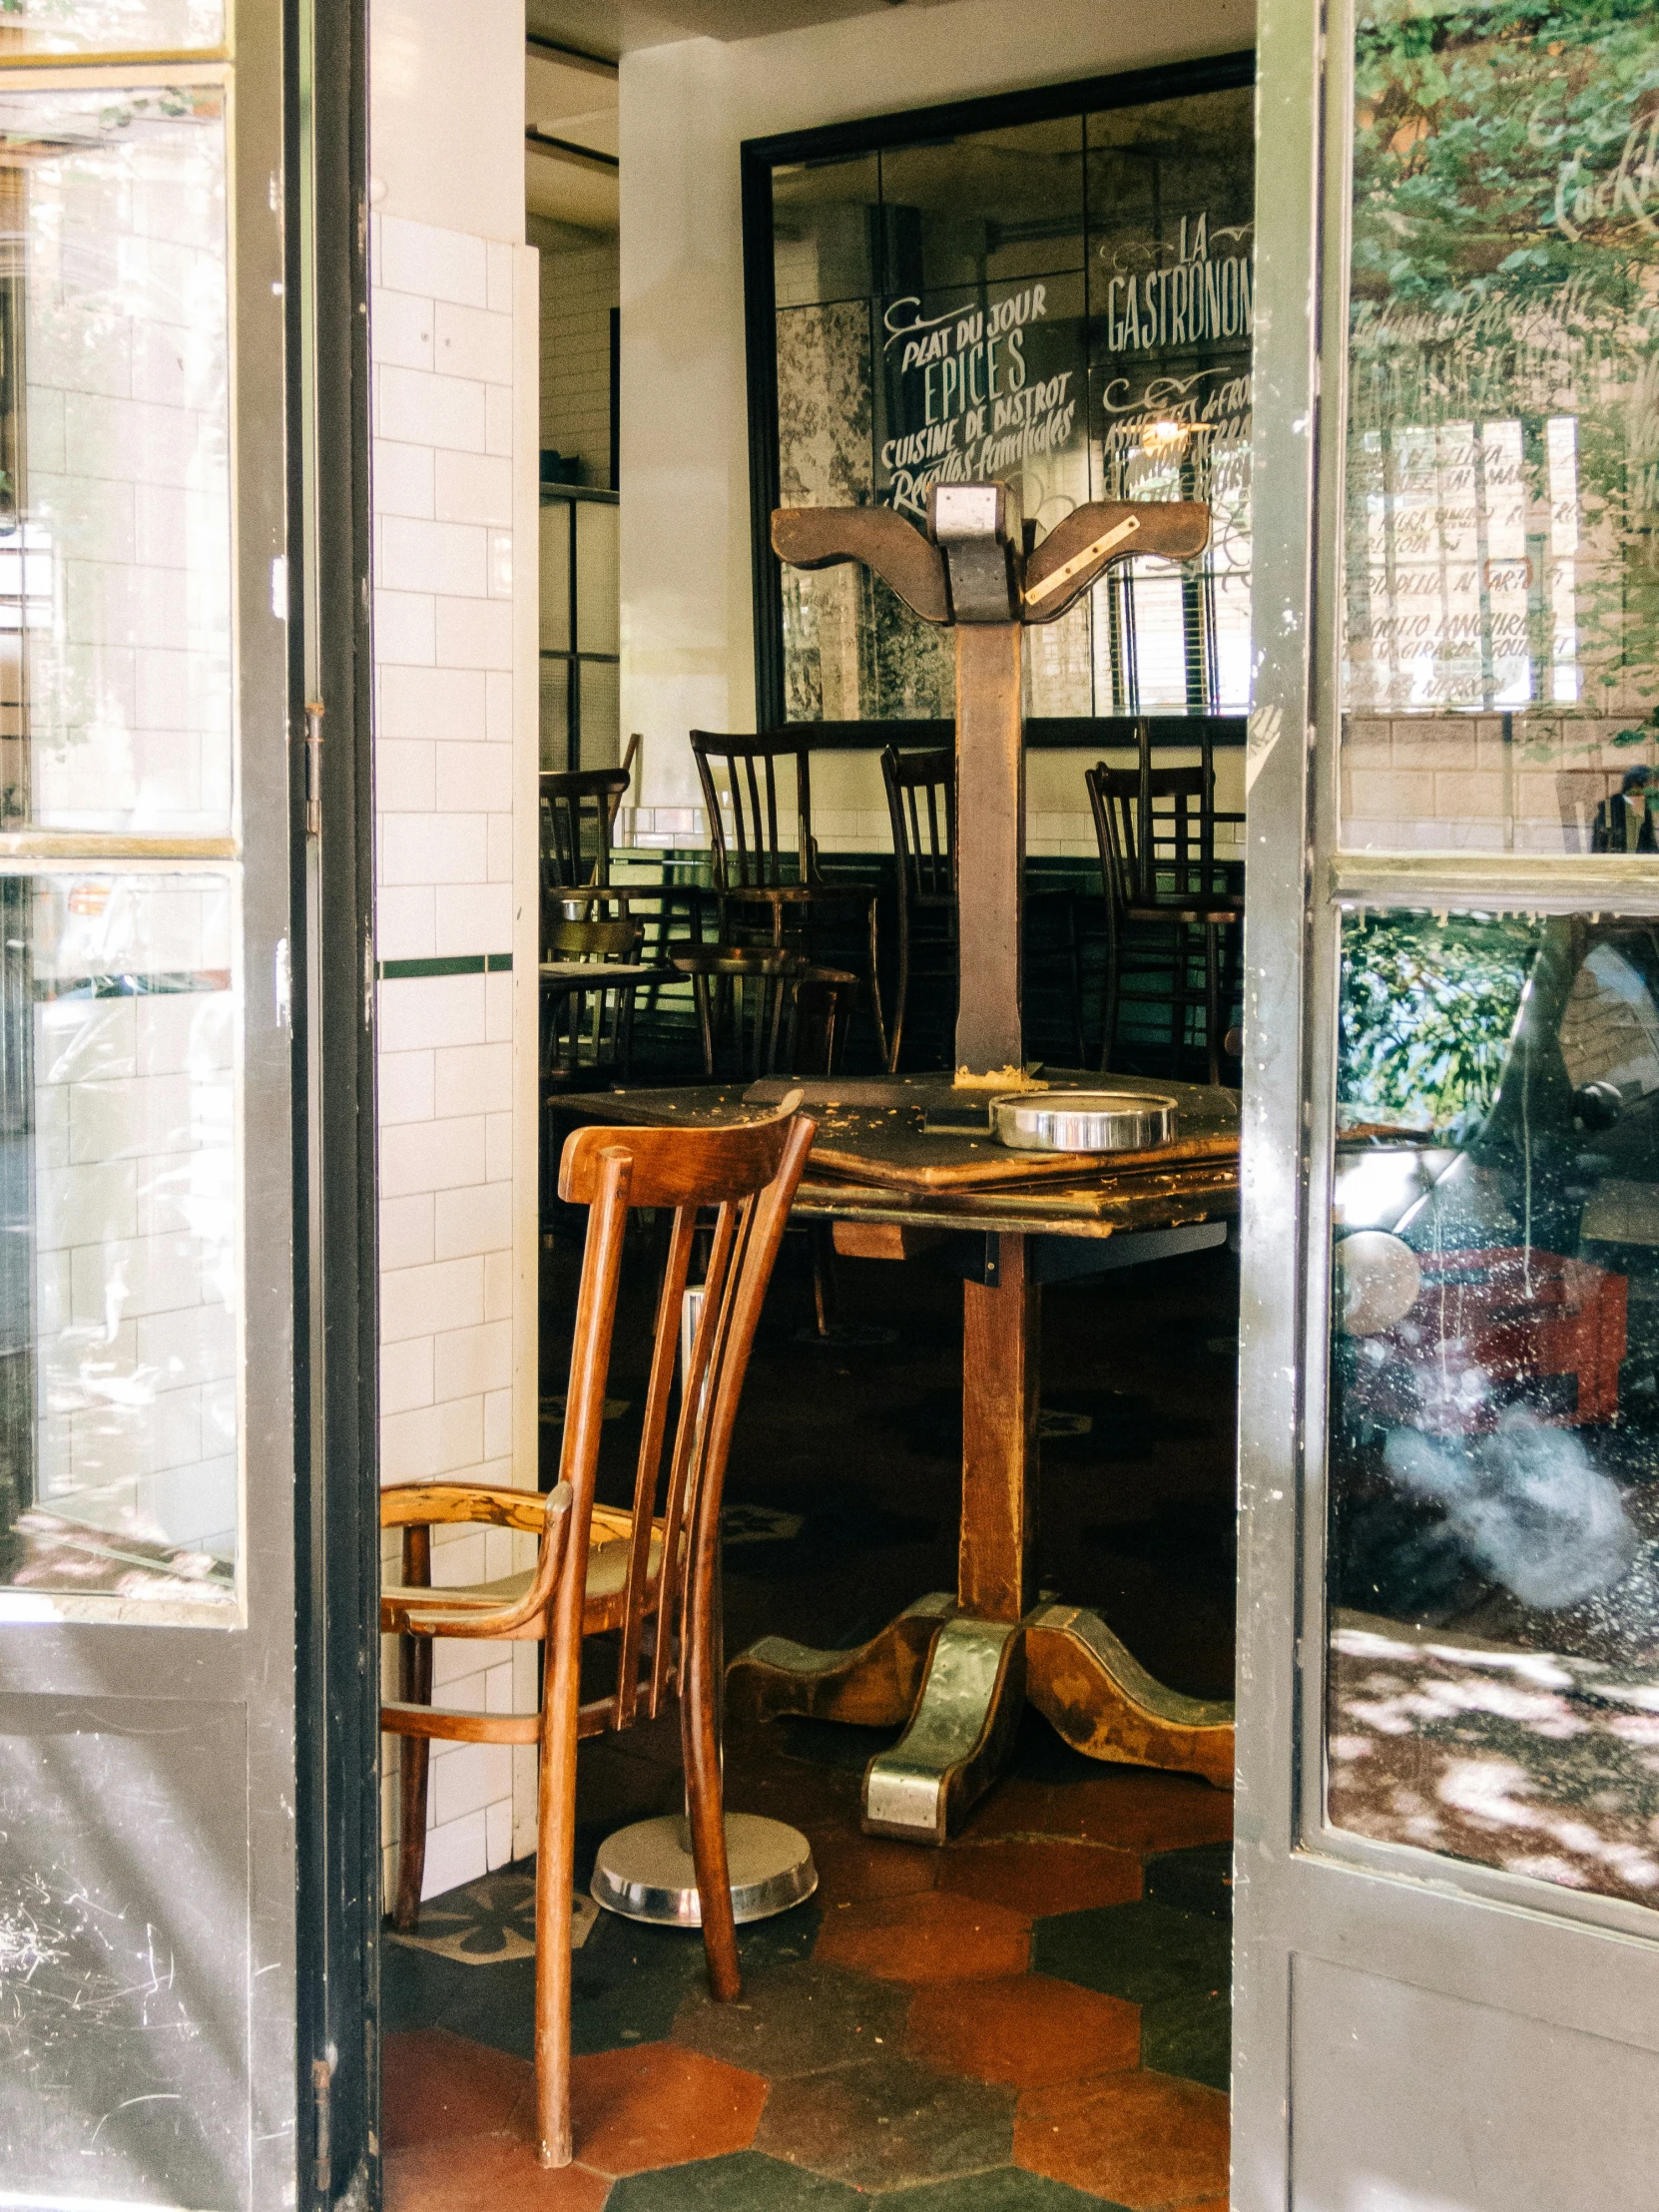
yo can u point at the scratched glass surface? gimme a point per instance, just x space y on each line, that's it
1493 1539
1500 674
45 27
119 1270
114 521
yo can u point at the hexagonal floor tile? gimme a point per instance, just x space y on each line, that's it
1041 1874
660 2105
744 2183
486 2173
438 2085
1005 2189
1028 2030
851 1869
926 1938
1139 2139
1127 1806
1142 1951
886 2123
1199 1879
797 2020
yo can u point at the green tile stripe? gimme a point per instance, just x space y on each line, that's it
452 963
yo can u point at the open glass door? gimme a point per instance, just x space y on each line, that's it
153 1144
1448 1819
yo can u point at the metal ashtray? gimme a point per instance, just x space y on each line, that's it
1083 1121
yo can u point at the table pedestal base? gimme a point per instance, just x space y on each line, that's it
960 1684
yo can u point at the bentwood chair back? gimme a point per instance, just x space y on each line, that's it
646 1577
922 806
1156 832
756 874
578 806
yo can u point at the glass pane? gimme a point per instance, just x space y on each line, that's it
109 26
120 1269
823 227
554 574
598 577
1494 1550
1502 606
1171 307
600 714
996 205
115 522
555 714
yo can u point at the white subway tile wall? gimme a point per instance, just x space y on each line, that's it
443 347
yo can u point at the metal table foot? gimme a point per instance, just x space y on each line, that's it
874 1686
958 1737
1104 1703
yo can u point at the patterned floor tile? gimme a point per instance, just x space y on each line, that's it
1006 2189
1139 2139
1041 1874
490 1922
1028 2031
440 2085
887 2123
744 2182
926 1938
487 2174
796 2019
1199 1879
660 2105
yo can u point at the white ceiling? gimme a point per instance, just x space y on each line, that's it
616 26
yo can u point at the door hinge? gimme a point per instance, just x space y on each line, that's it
314 768
322 2153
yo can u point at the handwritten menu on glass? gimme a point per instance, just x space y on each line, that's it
1504 365
1065 306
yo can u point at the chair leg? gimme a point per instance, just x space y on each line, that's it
825 1301
555 1882
897 1033
414 1762
1076 959
702 1686
1110 1006
1212 1001
876 992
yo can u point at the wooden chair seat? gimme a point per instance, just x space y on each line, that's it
606 1585
1207 917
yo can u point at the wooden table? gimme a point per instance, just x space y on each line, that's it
956 1667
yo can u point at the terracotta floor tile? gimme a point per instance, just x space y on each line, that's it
1038 1875
1142 2139
1127 1806
926 1938
487 2173
657 2104
852 1867
796 2019
743 2182
1002 2189
1029 2032
887 2123
438 2085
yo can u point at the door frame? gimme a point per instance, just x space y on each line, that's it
1309 1895
337 1317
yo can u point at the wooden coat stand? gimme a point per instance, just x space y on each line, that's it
959 1672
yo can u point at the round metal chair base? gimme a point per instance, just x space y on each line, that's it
645 1872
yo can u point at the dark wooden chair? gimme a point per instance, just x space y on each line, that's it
578 812
590 974
748 996
922 806
1155 828
645 1577
763 891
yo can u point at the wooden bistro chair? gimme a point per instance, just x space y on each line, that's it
761 890
1156 832
922 806
645 1577
590 974
578 815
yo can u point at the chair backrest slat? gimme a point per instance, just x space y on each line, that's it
748 1173
1179 821
921 804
